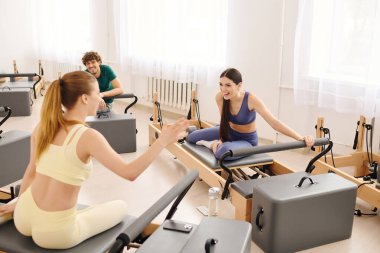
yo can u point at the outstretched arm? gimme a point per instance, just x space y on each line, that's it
99 148
276 124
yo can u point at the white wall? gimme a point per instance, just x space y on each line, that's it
254 48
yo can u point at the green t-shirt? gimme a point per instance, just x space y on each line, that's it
106 77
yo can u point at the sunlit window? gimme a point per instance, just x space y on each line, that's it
342 41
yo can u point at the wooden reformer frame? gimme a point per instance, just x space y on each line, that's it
40 85
243 206
358 159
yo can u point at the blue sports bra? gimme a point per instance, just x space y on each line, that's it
244 116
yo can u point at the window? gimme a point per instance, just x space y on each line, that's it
173 39
62 29
342 40
337 55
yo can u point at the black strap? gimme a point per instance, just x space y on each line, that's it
209 243
368 128
198 112
356 136
189 114
303 179
257 221
229 179
159 113
9 112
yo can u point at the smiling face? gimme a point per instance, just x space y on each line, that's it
228 88
93 66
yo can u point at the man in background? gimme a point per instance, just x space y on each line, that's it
109 84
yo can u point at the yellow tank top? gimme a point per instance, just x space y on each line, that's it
62 162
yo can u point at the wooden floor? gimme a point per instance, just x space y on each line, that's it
165 171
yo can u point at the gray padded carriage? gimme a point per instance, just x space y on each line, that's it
244 188
118 129
208 158
17 99
14 155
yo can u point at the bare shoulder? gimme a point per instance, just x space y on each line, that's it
91 133
90 140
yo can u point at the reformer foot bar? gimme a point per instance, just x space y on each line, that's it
141 233
219 173
359 159
14 84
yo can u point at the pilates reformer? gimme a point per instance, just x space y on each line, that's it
16 84
41 84
211 235
12 144
119 129
361 161
221 173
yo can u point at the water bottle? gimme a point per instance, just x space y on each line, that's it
213 199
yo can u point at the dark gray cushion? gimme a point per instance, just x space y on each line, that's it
14 155
207 157
245 188
18 99
118 129
12 241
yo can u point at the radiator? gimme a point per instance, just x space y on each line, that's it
54 70
172 94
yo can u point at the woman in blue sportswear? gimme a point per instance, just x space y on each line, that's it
238 109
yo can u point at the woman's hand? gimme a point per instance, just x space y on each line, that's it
7 209
216 145
309 140
102 105
173 132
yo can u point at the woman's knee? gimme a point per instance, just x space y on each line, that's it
207 134
221 150
192 137
115 207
